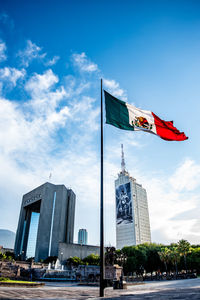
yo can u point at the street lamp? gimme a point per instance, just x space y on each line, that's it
61 260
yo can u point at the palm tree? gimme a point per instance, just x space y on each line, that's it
174 256
164 256
183 249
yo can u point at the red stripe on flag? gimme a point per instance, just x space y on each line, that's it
167 131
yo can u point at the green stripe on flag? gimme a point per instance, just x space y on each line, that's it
116 112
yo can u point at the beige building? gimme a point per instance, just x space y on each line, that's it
132 215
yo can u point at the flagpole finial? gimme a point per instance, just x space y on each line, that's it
123 166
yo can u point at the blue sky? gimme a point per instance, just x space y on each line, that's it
52 56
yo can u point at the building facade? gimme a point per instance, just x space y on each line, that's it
132 215
82 237
69 250
46 218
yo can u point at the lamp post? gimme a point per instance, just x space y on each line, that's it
61 256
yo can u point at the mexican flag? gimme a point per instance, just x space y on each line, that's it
128 117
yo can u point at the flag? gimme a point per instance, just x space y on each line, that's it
128 117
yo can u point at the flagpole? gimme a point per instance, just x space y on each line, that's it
101 290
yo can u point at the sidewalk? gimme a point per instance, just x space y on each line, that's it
178 289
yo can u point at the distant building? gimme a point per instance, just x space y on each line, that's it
82 237
132 216
46 218
69 250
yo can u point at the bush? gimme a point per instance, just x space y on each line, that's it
74 261
92 259
4 279
2 256
10 255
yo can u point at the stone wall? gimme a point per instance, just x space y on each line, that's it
9 270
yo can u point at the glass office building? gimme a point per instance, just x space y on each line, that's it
82 237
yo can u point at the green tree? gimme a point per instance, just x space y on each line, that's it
74 261
184 248
141 258
92 259
130 265
193 259
153 262
174 256
164 254
136 259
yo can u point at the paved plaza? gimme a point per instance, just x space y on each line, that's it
180 289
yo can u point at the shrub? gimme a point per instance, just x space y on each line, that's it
4 279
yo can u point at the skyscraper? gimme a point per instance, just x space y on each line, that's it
46 218
132 216
82 237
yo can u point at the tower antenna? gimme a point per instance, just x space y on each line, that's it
123 166
50 176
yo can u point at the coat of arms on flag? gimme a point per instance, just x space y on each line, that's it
141 122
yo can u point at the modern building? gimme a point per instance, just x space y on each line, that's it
132 216
46 218
82 237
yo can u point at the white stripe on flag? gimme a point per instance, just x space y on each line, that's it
141 119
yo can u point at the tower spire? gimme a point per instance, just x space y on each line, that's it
123 166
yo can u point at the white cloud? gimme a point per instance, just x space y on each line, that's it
41 83
114 88
11 75
2 51
45 98
57 117
168 205
186 177
32 51
18 135
52 61
84 114
83 63
165 203
74 87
